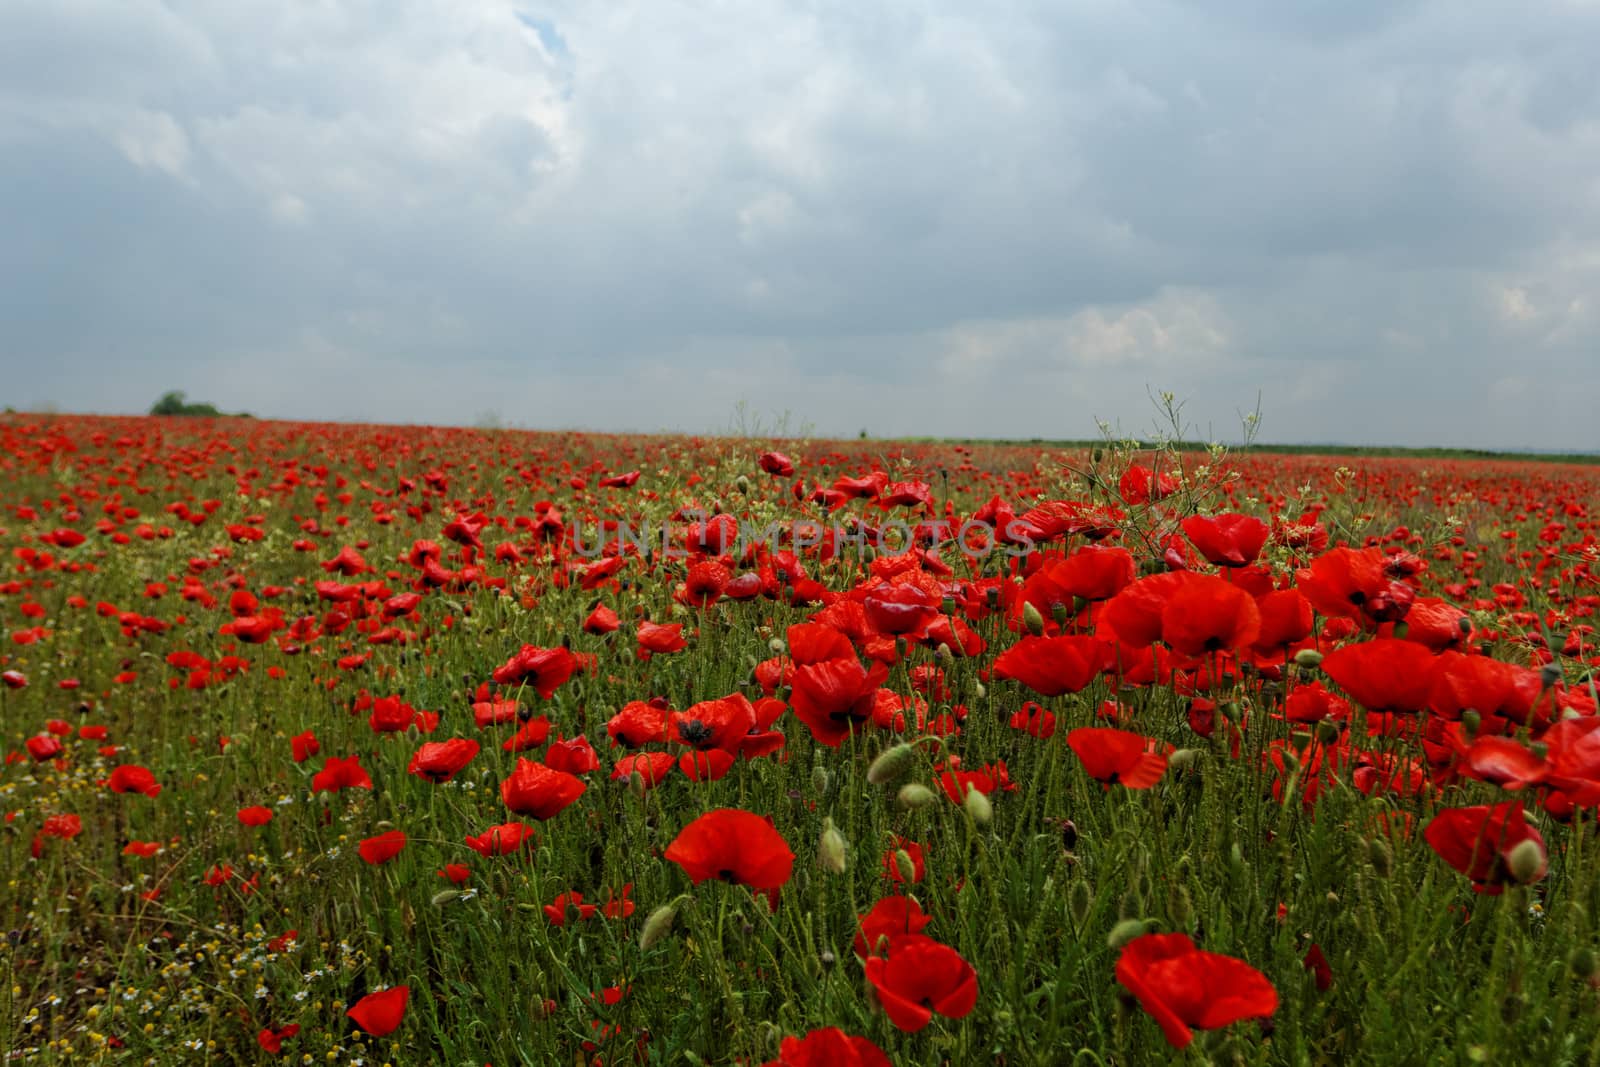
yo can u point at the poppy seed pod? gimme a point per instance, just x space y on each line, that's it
1308 658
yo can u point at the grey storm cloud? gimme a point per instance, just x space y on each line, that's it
1002 219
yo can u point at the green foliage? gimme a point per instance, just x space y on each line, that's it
173 402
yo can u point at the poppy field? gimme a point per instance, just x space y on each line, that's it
384 745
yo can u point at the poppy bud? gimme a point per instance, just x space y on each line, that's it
831 848
446 896
1471 722
1230 710
1058 612
820 780
892 763
914 795
904 864
1583 963
1032 619
978 806
1328 732
1333 900
1381 857
658 924
776 646
978 690
1183 757
1308 658
1080 900
943 652
1180 905
1236 863
1526 860
1123 932
742 484
1069 834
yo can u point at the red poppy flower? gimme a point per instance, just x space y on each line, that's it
835 698
381 1013
545 669
1230 540
735 846
1141 485
383 848
639 723
457 873
1478 842
43 747
1034 719
1286 619
651 767
918 977
707 766
703 585
720 723
537 790
530 734
1208 614
889 917
900 608
556 912
255 816
602 620
1118 756
1133 616
1345 581
574 755
777 464
271 1041
340 773
657 639
132 778
1383 674
1051 666
304 746
830 1047
1184 988
500 840
440 761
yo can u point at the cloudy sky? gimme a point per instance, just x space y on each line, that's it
988 219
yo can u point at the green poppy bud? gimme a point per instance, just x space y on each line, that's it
831 848
1032 619
914 795
978 806
1123 932
1526 860
892 764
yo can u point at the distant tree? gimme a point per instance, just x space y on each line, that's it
174 403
